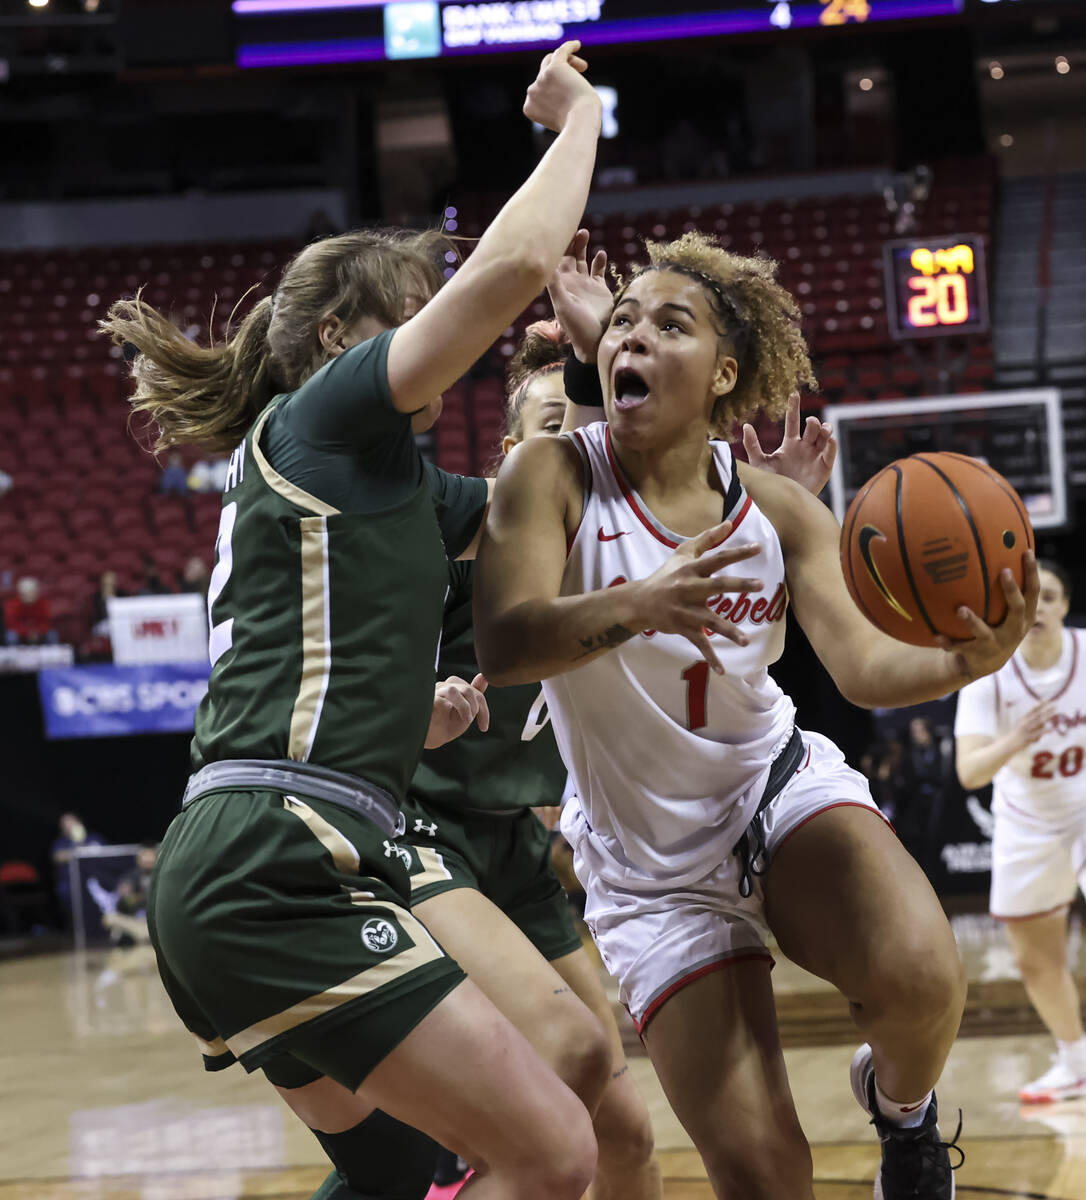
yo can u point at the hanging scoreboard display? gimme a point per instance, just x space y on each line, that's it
936 286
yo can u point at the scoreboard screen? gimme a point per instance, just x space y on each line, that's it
276 33
936 286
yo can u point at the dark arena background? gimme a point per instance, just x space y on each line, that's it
918 170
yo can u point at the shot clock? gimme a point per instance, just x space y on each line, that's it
936 286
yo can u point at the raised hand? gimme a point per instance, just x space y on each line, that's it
675 594
457 704
580 296
992 645
559 88
806 458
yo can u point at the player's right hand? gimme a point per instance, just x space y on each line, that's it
559 88
675 594
1032 725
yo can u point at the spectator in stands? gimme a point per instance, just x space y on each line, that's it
28 617
152 584
194 577
107 590
175 479
208 475
73 836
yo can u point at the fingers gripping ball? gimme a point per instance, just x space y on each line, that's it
929 534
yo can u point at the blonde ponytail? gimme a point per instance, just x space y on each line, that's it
195 395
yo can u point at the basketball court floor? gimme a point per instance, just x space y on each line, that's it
104 1098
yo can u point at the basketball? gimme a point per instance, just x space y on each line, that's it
929 534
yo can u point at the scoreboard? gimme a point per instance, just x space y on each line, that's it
294 32
936 286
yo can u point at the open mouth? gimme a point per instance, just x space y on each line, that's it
630 389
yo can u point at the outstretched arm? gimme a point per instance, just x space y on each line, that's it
519 251
870 668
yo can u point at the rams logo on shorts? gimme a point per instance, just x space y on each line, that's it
379 935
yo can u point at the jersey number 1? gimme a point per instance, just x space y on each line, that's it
697 692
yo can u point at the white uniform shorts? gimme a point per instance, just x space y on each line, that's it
655 941
1035 868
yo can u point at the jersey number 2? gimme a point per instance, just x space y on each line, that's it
222 635
697 692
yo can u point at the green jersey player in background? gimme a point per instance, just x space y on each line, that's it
279 905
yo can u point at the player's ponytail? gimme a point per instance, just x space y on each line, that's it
758 317
210 395
192 394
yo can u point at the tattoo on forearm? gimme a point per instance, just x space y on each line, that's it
619 1073
561 991
614 636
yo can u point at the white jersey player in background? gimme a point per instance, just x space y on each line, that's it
1023 730
705 819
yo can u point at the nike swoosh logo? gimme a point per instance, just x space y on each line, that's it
611 537
867 536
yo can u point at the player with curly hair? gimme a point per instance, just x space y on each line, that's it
704 819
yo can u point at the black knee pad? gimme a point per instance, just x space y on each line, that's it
379 1159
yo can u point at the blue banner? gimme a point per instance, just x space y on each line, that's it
103 700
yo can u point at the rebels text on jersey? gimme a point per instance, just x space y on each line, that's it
664 752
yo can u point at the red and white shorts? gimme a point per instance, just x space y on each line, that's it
1036 868
654 941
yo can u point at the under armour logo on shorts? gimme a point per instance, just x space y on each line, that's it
403 855
422 827
379 935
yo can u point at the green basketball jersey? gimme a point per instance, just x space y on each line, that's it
325 622
515 764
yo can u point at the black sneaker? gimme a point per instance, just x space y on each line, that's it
915 1162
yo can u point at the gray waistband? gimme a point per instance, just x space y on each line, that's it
282 775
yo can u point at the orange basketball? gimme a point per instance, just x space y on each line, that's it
928 534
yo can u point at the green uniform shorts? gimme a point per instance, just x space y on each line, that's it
505 856
283 937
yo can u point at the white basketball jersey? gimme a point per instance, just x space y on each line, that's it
663 751
1045 781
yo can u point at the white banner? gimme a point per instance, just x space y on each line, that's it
158 629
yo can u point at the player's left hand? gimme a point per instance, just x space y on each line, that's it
457 704
805 458
992 645
580 296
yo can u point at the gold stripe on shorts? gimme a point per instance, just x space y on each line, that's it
386 971
343 853
433 868
214 1049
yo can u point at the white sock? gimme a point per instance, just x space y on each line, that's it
905 1115
1074 1054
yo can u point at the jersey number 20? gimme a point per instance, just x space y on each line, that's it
1045 763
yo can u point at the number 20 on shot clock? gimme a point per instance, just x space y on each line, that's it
936 286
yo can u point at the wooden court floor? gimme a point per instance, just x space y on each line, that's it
102 1097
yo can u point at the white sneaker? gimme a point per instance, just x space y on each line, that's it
1059 1082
